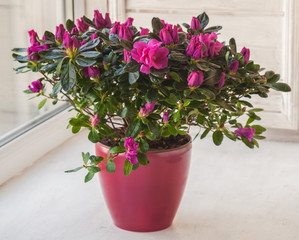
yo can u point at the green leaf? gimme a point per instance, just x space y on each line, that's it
28 91
116 150
273 79
142 159
175 76
85 62
126 44
213 29
208 93
151 95
233 45
133 77
91 44
203 19
54 54
93 169
204 134
74 170
85 157
143 145
127 167
19 49
42 103
89 176
157 25
126 112
132 66
283 87
93 136
245 103
217 137
68 77
172 130
154 129
177 116
90 54
101 109
56 89
134 128
70 25
76 129
110 166
258 129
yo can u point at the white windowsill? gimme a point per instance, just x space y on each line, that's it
232 193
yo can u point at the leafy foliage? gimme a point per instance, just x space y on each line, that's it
103 85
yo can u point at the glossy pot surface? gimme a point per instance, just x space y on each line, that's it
148 199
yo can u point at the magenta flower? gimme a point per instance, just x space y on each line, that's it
94 120
196 50
195 79
128 22
70 43
222 80
151 55
60 30
233 67
75 31
33 37
34 49
94 36
166 116
131 147
82 43
125 32
169 34
195 24
245 132
36 86
82 26
115 28
144 31
100 22
246 53
149 107
127 56
91 72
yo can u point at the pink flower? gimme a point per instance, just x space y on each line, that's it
131 147
33 37
82 26
196 50
195 79
195 24
222 80
125 32
75 31
94 120
149 107
82 43
246 53
35 49
36 86
115 28
127 55
128 22
169 34
60 30
233 67
70 42
100 22
245 132
151 55
166 116
91 72
144 31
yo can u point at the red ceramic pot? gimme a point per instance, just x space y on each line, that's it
146 200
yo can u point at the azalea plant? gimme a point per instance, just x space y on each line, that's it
135 89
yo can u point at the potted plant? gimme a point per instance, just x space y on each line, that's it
138 92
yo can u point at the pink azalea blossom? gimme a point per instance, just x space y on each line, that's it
60 30
246 53
149 107
131 147
91 72
100 22
245 132
82 26
144 31
33 37
222 80
195 24
127 56
233 67
195 79
166 116
169 34
94 120
36 86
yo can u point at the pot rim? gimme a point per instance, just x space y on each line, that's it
160 150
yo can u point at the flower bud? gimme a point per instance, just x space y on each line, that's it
75 31
245 132
246 53
33 37
222 80
144 31
127 55
195 24
94 120
128 22
59 34
99 21
195 79
91 72
82 26
108 23
125 33
233 67
166 116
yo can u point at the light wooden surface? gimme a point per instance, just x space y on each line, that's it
233 193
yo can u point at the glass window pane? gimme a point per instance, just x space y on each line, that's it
19 17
